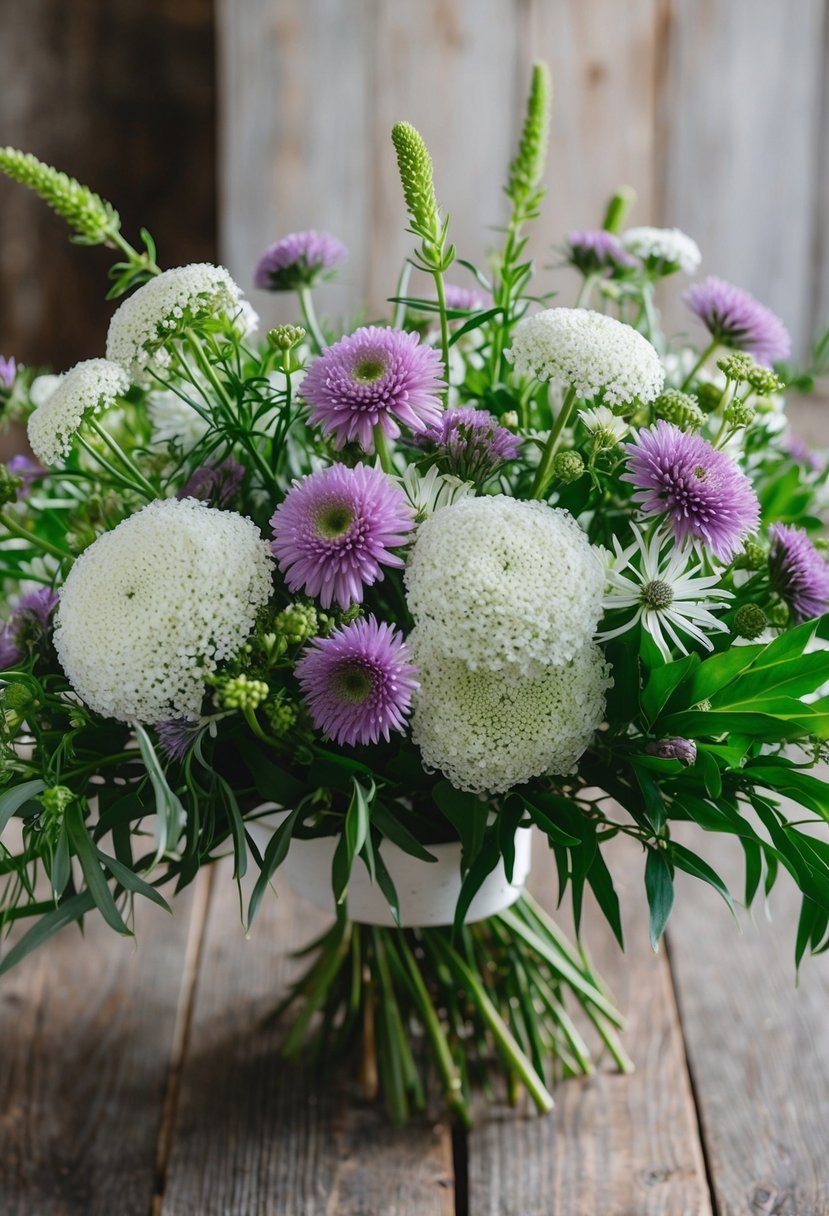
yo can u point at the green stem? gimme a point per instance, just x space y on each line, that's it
381 447
444 324
586 291
507 1045
399 314
116 449
114 473
309 314
544 471
704 357
16 529
208 371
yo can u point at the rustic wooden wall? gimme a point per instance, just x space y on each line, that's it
121 94
715 110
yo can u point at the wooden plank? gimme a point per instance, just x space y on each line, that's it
255 1135
90 1027
741 144
758 1047
121 96
295 80
613 1144
820 266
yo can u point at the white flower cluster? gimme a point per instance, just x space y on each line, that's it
506 595
669 246
589 352
163 308
89 387
487 734
503 583
151 608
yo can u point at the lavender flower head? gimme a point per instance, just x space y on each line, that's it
217 484
358 682
595 251
175 736
735 318
27 470
336 529
8 373
298 260
798 572
374 377
466 299
29 623
471 443
703 494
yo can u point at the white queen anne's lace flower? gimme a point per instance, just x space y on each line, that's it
163 308
487 734
89 387
504 585
589 352
151 608
670 248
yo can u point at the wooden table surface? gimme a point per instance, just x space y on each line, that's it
138 1080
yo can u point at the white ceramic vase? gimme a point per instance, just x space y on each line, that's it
428 891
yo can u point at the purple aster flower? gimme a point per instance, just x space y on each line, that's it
217 484
471 443
684 750
29 623
702 492
8 373
595 250
335 529
801 454
298 260
175 736
374 377
466 299
27 470
735 318
798 572
358 682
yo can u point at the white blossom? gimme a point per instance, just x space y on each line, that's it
607 428
430 490
42 387
589 352
162 308
503 584
89 387
487 734
174 421
151 608
654 578
668 246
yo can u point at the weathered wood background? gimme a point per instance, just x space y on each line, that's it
714 110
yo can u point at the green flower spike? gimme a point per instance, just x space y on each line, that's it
417 178
94 220
527 169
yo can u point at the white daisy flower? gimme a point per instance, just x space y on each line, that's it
652 577
605 426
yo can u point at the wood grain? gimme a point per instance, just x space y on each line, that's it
90 1028
255 1135
120 95
758 1048
619 1145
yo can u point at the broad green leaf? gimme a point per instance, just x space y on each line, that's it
12 800
663 682
467 813
684 859
485 862
659 886
386 884
601 884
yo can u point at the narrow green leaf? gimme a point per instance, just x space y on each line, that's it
12 800
131 881
275 854
659 886
601 884
684 859
385 819
66 913
96 881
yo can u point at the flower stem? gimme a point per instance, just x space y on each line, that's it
124 482
381 447
140 480
444 325
586 291
309 315
704 357
544 471
11 525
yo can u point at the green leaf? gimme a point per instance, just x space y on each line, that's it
659 886
275 854
467 813
663 682
170 814
386 884
601 884
386 821
131 881
61 864
684 859
542 817
486 860
12 800
354 834
66 913
272 783
775 774
507 825
95 880
474 322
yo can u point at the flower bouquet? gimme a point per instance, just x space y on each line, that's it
363 609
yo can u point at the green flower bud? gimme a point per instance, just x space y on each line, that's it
9 485
740 413
708 396
764 381
568 467
510 420
55 801
749 621
753 557
779 615
19 698
296 623
240 692
618 209
93 219
737 366
284 337
527 169
681 409
282 716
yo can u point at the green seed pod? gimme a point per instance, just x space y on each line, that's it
568 467
749 621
